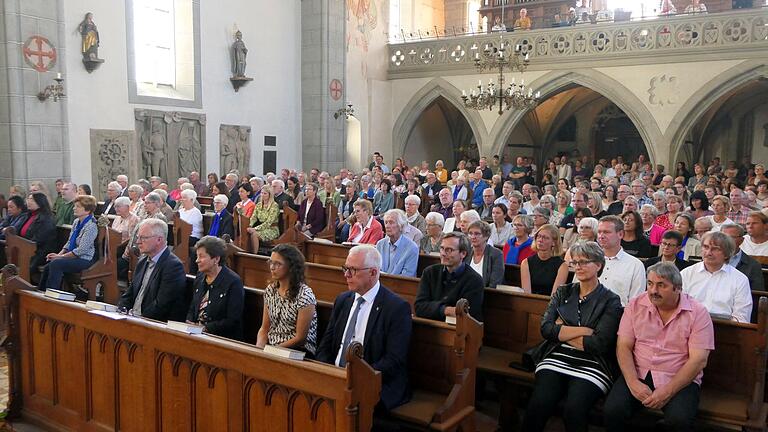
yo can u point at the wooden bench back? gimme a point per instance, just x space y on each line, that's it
103 273
19 251
181 233
85 371
243 240
329 232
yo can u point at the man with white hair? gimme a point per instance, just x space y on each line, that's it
374 316
122 180
399 254
278 193
738 212
198 186
158 287
114 191
231 180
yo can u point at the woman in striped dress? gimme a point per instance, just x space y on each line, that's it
577 359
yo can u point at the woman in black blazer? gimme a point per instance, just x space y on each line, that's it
488 256
217 300
40 227
312 220
577 360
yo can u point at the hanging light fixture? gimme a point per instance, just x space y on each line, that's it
515 96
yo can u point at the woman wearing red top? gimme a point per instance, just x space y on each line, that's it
518 248
666 221
39 228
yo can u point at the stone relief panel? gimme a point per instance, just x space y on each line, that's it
235 148
110 157
168 144
663 90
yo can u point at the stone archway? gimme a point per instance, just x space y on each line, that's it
555 82
423 98
701 101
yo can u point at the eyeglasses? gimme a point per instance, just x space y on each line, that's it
274 264
669 245
579 263
447 250
352 271
474 234
145 238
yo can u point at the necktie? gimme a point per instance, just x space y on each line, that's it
391 258
350 333
143 289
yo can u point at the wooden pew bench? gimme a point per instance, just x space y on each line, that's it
79 371
442 357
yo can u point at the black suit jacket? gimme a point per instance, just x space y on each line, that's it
106 205
751 268
225 304
43 232
385 347
165 298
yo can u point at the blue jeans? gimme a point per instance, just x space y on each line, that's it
53 272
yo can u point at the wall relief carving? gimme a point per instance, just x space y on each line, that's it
235 148
663 90
168 144
110 157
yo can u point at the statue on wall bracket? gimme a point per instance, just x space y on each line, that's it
239 53
90 46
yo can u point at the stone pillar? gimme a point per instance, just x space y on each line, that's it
322 61
33 134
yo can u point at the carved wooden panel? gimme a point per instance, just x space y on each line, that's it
306 412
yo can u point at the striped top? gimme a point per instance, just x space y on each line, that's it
570 361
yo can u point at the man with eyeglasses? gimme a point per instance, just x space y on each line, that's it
716 284
444 284
158 288
373 315
617 207
671 249
638 191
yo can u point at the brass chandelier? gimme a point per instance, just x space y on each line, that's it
515 96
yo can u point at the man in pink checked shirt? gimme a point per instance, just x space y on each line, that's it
665 337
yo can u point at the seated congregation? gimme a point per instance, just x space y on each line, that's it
635 291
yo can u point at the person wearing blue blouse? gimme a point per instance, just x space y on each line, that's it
80 250
399 254
384 199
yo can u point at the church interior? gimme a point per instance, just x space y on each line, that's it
353 215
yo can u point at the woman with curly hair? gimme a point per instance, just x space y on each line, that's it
290 318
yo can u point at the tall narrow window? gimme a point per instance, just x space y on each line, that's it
164 52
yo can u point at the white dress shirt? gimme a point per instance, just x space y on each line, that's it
624 275
754 249
724 292
362 319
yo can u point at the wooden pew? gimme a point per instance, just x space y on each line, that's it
102 275
442 360
329 232
19 251
181 233
79 371
206 203
243 239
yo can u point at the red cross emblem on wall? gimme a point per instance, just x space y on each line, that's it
39 53
336 89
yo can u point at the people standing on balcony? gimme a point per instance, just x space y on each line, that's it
498 26
667 8
696 7
524 22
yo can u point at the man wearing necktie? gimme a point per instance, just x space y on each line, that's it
158 288
399 254
371 314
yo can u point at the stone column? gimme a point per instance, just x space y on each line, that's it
33 134
322 61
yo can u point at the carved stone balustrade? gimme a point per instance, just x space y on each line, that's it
738 34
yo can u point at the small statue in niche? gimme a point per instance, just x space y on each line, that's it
239 53
90 46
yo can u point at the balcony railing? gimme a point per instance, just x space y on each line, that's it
735 34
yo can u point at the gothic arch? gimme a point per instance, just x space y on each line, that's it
555 82
698 104
421 100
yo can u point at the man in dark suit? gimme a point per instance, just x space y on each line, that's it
158 288
114 191
371 314
122 180
743 262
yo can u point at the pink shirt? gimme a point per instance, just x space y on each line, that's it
663 349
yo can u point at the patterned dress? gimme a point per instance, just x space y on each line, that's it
284 314
264 221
